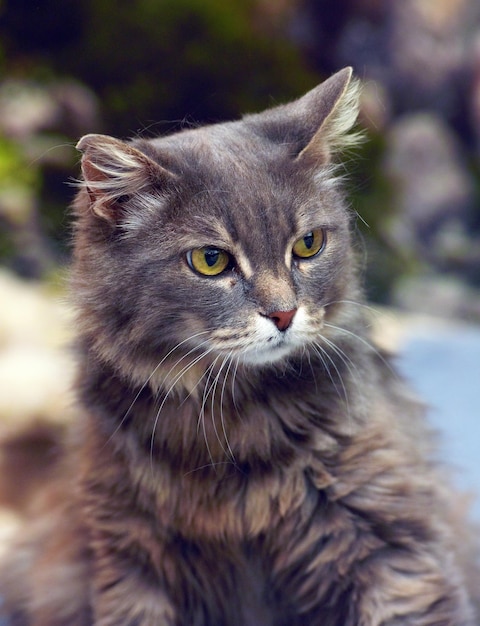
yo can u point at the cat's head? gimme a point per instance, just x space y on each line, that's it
226 242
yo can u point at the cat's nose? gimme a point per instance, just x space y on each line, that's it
282 319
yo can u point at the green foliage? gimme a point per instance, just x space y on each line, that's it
201 58
372 198
18 186
13 170
154 65
154 60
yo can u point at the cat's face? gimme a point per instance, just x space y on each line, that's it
235 250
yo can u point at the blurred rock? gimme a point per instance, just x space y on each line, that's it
419 61
475 91
25 108
28 107
439 296
375 107
434 193
428 51
418 50
39 126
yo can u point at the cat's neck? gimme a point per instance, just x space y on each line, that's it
236 416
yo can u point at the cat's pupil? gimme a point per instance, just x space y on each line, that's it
211 257
308 240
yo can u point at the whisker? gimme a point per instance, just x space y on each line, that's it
206 388
362 305
306 353
373 311
319 351
167 394
154 371
201 416
234 376
346 360
202 467
323 353
365 342
187 367
222 416
212 390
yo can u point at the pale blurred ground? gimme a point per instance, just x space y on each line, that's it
36 368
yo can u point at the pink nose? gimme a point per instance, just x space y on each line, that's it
282 319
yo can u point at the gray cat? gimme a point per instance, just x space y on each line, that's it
246 456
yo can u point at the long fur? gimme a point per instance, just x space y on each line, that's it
228 471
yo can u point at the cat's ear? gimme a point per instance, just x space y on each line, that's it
113 170
316 126
337 103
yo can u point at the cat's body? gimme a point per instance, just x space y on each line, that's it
246 457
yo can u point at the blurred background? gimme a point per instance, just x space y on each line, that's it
152 66
128 67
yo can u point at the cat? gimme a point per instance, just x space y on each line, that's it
246 456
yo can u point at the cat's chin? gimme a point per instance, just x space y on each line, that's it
268 355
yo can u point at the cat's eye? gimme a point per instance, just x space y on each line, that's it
310 244
209 261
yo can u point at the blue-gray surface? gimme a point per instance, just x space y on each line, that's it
443 365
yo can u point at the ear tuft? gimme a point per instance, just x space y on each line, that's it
113 169
341 95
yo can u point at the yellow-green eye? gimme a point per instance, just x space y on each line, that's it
209 261
310 244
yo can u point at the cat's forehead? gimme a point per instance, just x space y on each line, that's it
219 149
232 174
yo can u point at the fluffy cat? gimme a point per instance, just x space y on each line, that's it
246 457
